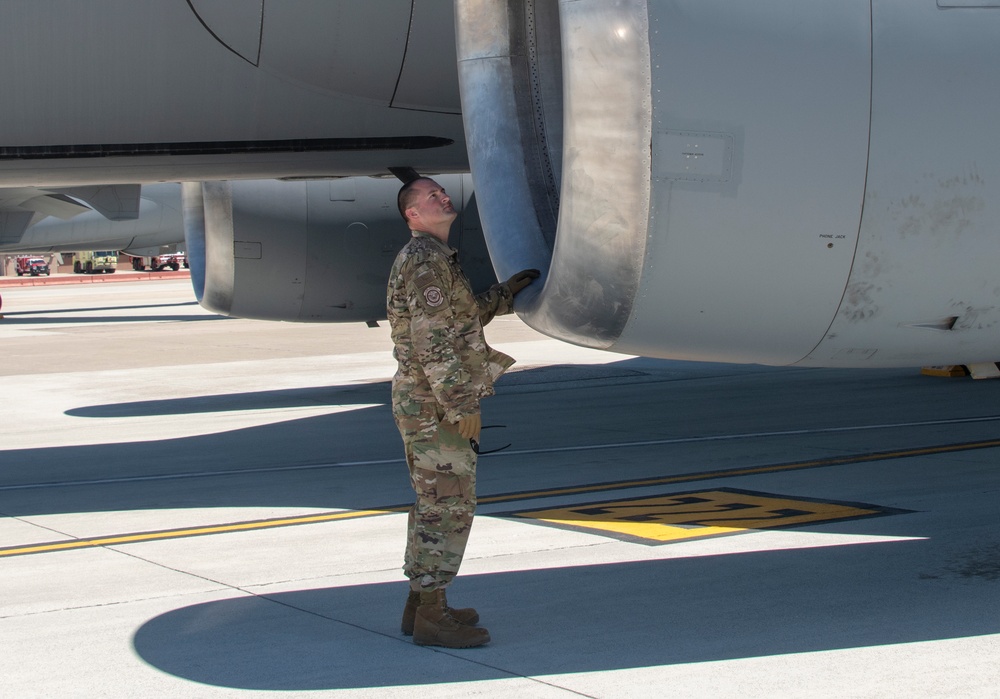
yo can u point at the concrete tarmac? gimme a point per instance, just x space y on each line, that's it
196 506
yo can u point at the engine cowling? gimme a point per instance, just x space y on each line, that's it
774 182
310 251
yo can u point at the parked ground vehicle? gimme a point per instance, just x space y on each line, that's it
33 266
156 263
99 261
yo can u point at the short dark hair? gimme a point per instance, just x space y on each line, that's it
404 200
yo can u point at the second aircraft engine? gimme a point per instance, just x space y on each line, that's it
310 251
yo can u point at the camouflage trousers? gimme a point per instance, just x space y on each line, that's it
443 475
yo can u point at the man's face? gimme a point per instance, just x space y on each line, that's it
432 206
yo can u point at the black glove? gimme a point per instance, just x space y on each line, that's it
520 280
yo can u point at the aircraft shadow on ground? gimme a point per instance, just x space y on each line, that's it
102 320
577 620
158 474
48 312
26 318
330 395
364 433
240 402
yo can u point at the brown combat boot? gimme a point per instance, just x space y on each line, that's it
467 616
434 626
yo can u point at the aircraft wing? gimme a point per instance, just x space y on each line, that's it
120 91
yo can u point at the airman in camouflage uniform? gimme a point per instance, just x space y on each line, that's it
445 369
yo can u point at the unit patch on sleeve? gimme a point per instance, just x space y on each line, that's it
433 296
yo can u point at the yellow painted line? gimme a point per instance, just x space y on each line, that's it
186 532
492 499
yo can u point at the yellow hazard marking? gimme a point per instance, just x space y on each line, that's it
666 518
949 370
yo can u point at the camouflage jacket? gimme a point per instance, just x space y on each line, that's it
437 329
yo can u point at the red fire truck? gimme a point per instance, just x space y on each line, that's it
32 266
156 263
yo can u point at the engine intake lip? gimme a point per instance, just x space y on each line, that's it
592 271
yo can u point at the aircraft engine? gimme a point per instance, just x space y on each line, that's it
774 182
309 251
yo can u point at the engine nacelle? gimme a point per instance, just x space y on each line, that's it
310 251
777 181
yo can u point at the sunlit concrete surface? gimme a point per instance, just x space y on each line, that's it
200 506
